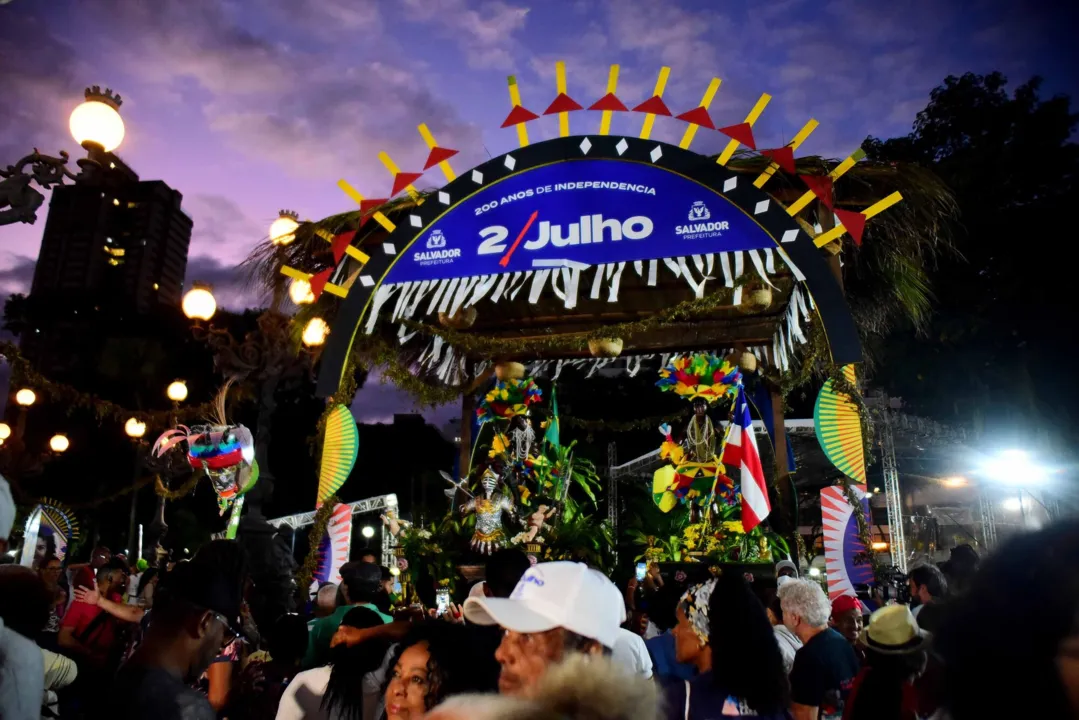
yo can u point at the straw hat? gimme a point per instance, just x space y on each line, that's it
892 630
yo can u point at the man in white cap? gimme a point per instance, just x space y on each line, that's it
557 608
22 668
785 570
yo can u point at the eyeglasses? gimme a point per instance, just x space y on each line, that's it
230 633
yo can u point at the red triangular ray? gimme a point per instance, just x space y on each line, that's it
340 242
366 206
742 132
653 105
438 155
783 157
402 180
854 222
821 185
519 115
318 281
608 102
698 116
562 103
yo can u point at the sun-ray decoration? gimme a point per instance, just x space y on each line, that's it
419 264
844 551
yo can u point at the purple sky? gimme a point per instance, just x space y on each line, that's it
247 107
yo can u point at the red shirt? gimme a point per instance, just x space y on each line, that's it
102 637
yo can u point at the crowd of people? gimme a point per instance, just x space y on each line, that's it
552 640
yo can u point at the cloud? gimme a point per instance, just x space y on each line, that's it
485 34
378 400
229 288
17 276
218 221
40 74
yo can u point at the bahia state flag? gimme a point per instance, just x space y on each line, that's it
741 452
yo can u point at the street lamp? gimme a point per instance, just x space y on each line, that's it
300 292
199 303
96 125
135 428
5 431
59 443
283 229
26 397
368 532
314 334
177 391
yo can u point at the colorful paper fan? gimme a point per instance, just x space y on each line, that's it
839 428
509 398
340 445
700 376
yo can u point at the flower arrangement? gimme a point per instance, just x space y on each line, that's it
703 376
509 398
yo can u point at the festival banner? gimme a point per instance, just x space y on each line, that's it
576 214
842 542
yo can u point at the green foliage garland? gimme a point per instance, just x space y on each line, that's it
24 375
307 571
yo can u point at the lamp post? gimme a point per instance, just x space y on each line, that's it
24 399
96 125
266 357
135 429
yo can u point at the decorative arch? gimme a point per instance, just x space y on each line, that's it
463 259
766 225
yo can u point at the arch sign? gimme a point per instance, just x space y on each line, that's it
571 215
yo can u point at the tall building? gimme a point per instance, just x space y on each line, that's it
123 242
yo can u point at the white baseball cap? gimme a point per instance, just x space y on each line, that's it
556 594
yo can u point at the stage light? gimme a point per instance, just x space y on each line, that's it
814 572
368 532
395 571
955 482
879 546
1014 467
1012 504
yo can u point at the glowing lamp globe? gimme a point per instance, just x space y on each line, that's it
134 428
316 331
25 397
199 303
97 121
5 431
59 443
177 391
300 292
283 229
368 532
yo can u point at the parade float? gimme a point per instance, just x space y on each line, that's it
596 251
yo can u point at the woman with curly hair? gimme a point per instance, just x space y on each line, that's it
438 660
